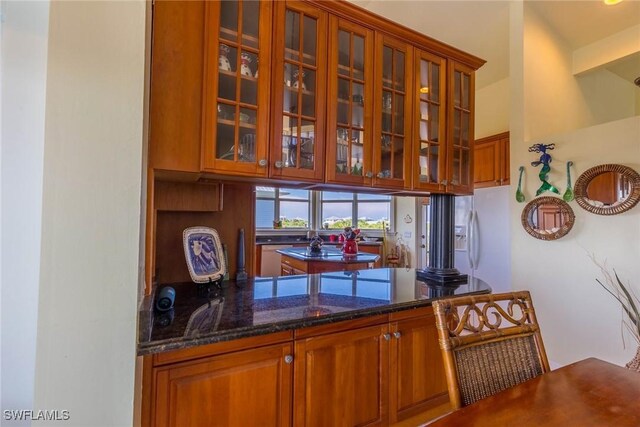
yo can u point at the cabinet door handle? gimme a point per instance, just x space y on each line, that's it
397 334
288 359
262 162
278 164
387 337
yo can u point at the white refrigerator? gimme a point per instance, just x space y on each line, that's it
483 248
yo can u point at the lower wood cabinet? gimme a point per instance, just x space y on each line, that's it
364 372
341 378
417 379
244 388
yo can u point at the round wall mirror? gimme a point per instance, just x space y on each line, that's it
608 189
547 218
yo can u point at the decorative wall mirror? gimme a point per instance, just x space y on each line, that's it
608 189
547 218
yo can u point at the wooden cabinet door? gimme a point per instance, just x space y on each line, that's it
299 91
460 133
350 106
237 87
341 379
175 110
491 161
486 159
244 388
417 380
392 113
429 123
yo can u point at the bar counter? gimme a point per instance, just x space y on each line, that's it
205 314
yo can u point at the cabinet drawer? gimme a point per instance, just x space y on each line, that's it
292 263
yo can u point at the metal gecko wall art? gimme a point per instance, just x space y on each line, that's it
545 160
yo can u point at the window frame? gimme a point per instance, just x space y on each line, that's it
277 199
354 212
315 213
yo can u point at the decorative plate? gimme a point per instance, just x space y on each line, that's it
204 254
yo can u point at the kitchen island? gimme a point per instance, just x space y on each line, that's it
304 261
342 348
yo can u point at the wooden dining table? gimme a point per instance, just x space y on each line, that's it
584 394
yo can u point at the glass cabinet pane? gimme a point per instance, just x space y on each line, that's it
387 66
399 71
250 23
344 52
428 93
358 57
291 35
462 132
299 95
237 96
229 20
391 153
309 40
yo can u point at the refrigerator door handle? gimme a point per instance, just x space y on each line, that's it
470 239
475 242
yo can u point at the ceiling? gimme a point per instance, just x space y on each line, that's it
481 27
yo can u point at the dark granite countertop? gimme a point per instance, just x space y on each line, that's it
328 255
205 314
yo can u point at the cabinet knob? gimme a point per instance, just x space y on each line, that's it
262 162
397 334
288 359
423 246
387 337
369 175
278 164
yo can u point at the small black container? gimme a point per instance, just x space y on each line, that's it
166 298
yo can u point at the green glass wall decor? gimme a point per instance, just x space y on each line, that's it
545 160
519 193
568 194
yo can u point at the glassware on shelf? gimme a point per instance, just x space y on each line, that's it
223 60
245 68
298 82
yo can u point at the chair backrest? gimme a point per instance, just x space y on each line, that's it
489 343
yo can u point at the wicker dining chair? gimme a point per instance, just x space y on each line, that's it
489 343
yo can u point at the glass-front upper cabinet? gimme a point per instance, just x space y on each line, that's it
429 125
392 113
237 78
350 110
299 90
461 105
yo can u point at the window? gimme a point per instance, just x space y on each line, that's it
289 206
339 210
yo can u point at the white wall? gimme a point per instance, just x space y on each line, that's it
86 340
24 64
406 206
556 101
492 109
578 319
